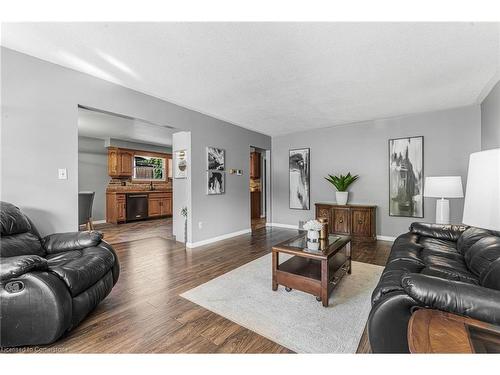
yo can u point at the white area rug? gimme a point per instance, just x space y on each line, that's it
294 320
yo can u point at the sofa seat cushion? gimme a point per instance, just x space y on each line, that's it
80 269
450 274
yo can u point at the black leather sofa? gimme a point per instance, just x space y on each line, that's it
48 285
446 267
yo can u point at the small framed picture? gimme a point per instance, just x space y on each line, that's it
215 182
180 164
216 159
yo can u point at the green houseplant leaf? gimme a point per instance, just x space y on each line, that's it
341 182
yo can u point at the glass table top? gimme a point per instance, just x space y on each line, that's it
305 245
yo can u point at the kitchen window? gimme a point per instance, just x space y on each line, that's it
149 168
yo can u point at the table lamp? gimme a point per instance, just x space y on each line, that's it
482 198
443 187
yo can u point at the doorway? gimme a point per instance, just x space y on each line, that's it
124 175
258 180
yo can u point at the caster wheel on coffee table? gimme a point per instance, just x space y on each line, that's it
288 289
318 299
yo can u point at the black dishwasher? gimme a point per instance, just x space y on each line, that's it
137 206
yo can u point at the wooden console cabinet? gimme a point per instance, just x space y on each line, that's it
159 205
358 221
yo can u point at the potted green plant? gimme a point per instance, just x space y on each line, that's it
341 183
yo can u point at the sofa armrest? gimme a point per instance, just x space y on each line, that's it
16 266
448 232
454 296
60 242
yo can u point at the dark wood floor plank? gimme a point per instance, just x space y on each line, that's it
144 312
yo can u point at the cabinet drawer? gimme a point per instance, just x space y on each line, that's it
340 220
323 212
361 222
160 195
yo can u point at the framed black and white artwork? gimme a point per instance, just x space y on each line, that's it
216 159
215 182
406 171
299 177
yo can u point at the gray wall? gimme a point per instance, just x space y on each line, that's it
362 148
138 146
39 131
490 119
93 172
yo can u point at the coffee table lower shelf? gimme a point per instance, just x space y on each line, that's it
316 277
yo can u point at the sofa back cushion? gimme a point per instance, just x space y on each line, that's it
481 251
18 235
447 232
469 238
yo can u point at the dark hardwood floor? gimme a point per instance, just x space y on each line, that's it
144 313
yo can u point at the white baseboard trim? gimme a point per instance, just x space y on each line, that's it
385 238
278 225
98 221
192 245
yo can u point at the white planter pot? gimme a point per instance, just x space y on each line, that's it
342 197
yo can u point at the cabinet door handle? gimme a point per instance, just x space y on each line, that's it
360 221
341 220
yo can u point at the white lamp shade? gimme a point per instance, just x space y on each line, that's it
443 187
482 198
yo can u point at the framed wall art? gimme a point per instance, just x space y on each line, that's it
216 159
406 174
299 179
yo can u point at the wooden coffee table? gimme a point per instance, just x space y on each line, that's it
316 272
434 331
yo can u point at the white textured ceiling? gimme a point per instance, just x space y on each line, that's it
104 126
277 78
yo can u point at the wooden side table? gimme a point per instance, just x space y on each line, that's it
434 331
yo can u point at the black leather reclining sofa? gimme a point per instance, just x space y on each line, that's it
48 285
446 267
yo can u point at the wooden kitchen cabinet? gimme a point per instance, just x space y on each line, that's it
159 205
358 221
154 206
254 165
116 208
119 162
